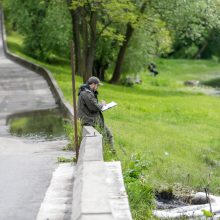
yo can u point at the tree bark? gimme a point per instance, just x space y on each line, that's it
84 47
117 71
120 59
75 15
201 50
99 68
90 46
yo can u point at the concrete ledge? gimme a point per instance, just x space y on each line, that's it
90 131
90 192
98 191
116 191
57 93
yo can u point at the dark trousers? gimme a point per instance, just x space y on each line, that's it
109 136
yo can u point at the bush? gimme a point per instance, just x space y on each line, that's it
45 26
141 196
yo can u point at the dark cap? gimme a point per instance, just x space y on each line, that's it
94 79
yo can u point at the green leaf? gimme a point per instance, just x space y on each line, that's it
207 213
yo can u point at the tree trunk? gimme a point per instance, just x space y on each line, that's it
201 50
90 46
99 68
85 47
75 15
117 71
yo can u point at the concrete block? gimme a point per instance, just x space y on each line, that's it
116 191
89 130
91 149
91 196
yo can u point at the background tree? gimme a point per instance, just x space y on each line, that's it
140 7
45 25
118 35
56 29
190 23
94 21
27 18
152 39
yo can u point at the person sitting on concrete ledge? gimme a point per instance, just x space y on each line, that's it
90 110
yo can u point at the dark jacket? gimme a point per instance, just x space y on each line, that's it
89 110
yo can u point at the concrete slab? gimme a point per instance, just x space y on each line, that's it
116 191
57 205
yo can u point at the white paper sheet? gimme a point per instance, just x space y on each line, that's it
108 106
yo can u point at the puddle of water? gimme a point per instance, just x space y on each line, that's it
164 204
41 126
215 83
167 200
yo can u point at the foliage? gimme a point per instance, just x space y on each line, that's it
153 39
213 48
190 22
57 29
27 17
66 160
71 134
178 28
207 214
140 193
105 55
97 22
45 25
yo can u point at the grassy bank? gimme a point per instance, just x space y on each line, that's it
166 134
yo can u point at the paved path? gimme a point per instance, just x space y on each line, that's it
26 167
21 89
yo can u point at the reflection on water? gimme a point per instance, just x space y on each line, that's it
42 126
213 83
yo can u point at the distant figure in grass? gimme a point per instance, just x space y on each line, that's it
153 69
90 110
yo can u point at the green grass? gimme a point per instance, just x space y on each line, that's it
175 129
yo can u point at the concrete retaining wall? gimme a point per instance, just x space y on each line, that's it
90 194
98 191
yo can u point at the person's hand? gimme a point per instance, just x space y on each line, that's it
103 103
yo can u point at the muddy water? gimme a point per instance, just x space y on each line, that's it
39 126
215 83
